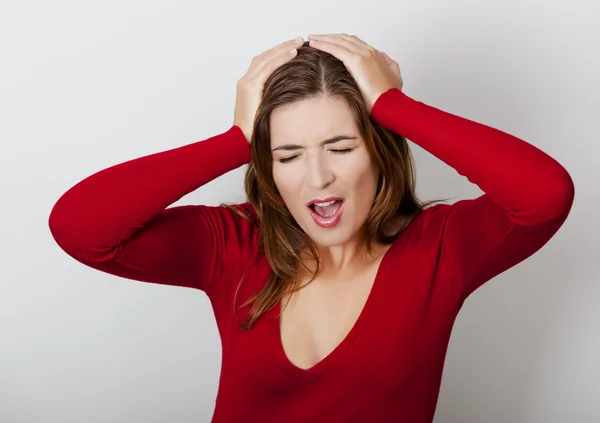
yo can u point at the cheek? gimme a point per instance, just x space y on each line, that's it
286 181
360 174
365 189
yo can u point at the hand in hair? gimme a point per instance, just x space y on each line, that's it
374 71
250 86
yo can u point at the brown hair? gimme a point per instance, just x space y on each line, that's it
314 73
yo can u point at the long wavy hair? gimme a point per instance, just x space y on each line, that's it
315 73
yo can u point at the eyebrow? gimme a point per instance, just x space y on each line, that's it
332 140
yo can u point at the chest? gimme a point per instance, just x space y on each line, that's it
316 319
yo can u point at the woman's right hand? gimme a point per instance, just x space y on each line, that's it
250 86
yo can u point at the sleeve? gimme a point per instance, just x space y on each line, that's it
527 194
117 220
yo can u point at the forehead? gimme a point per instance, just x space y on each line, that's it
311 121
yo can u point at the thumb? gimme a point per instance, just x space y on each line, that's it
391 63
387 59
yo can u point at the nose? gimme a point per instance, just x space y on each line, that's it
319 173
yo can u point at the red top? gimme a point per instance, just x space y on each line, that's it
389 367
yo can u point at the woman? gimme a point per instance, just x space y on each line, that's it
334 289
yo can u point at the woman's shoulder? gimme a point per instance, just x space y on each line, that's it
248 212
233 225
424 217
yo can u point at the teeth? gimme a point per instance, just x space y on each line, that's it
328 203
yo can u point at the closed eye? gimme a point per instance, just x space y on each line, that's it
339 151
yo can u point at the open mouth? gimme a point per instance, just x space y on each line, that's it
327 214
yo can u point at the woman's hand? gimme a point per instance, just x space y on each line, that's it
250 86
375 72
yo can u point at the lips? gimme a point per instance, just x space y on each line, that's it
324 200
327 221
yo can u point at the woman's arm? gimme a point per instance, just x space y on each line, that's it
527 194
117 219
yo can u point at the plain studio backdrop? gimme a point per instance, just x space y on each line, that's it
88 84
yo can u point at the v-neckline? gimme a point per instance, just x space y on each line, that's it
274 326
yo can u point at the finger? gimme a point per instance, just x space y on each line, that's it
264 71
330 37
336 49
286 45
295 42
391 63
343 39
261 61
387 59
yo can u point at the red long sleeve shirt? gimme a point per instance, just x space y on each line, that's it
389 366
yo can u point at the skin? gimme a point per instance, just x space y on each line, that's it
318 317
318 171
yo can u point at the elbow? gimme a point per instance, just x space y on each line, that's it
62 230
558 197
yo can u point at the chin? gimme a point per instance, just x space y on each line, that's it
329 240
328 237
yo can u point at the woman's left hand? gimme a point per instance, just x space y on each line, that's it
375 72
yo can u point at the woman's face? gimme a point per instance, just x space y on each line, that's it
304 168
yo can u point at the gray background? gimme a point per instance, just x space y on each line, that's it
85 85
